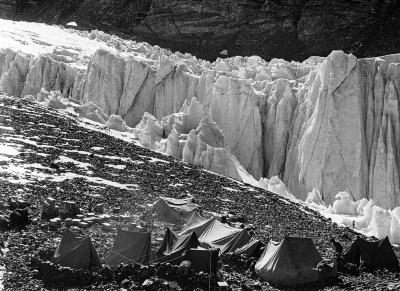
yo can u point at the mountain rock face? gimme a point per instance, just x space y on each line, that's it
290 29
8 8
325 125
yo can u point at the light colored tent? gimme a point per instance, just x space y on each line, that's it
223 237
240 240
174 210
76 252
130 247
291 262
197 224
214 234
252 248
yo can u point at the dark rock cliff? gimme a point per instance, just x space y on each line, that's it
290 29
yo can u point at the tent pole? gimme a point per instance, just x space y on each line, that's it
209 276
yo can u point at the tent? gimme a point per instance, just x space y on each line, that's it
197 224
240 240
203 259
173 210
76 252
129 247
174 247
214 234
291 262
223 237
251 249
374 254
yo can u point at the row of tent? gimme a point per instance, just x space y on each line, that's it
201 242
292 261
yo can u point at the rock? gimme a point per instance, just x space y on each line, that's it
83 224
106 226
68 222
75 222
99 208
126 283
69 209
23 204
293 29
49 208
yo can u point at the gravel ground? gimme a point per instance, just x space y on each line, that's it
44 135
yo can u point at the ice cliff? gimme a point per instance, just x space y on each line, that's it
329 124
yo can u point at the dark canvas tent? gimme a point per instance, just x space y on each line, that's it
130 247
174 247
373 254
174 210
203 259
291 262
251 249
76 252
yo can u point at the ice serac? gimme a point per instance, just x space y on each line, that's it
174 84
193 137
120 85
331 153
234 108
277 117
13 70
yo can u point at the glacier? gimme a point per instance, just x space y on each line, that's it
307 129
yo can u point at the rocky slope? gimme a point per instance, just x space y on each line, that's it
326 123
99 166
290 29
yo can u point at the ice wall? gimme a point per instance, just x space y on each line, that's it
326 123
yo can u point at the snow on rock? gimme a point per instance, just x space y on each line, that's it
326 123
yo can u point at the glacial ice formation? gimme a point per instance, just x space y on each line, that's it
364 216
330 124
193 137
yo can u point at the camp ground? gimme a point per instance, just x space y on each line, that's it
204 242
99 213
